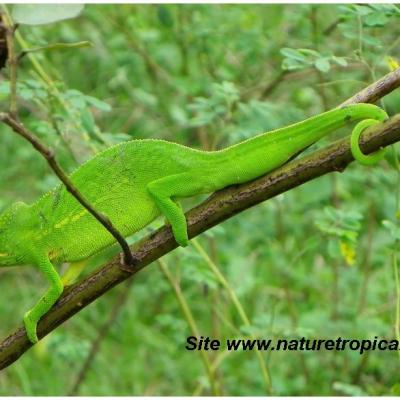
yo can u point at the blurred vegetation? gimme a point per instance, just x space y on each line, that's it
319 261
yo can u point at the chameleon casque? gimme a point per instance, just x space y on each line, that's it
136 181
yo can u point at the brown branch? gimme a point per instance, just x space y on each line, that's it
370 94
265 90
327 31
377 90
270 87
214 210
48 154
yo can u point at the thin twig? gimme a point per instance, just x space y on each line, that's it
239 308
52 89
269 88
101 334
54 46
330 28
48 154
214 384
12 59
376 90
264 90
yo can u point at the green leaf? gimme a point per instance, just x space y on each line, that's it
393 229
359 10
76 98
39 14
342 224
88 121
292 54
375 19
395 389
391 9
100 105
370 40
347 389
114 138
310 52
339 60
291 64
322 64
144 97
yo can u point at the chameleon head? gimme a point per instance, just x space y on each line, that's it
10 242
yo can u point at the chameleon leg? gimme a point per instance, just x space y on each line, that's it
165 189
32 317
355 147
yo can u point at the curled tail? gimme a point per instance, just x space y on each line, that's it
354 141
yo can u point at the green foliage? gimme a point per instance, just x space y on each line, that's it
39 14
316 261
303 58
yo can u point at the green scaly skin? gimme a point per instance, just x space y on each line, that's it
134 182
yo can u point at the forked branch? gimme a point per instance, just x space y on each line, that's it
216 209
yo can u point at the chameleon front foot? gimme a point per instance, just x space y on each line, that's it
30 327
179 231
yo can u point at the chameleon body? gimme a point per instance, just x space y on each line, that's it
136 181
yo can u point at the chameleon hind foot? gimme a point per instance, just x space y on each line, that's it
166 191
358 155
30 327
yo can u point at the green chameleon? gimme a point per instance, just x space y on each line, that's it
136 181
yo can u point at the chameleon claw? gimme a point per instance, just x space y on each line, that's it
183 244
181 238
30 327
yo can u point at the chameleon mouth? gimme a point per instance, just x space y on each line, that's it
4 254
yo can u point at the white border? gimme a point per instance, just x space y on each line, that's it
202 2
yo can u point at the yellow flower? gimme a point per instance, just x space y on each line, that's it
392 63
348 253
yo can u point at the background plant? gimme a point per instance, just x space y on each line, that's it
178 73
